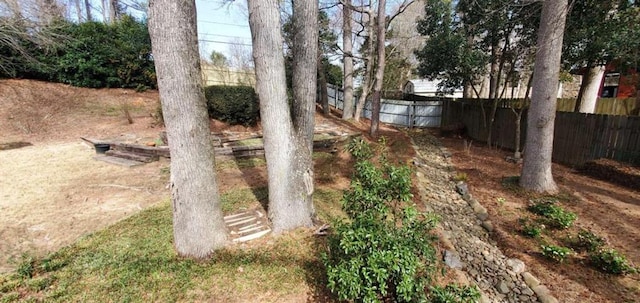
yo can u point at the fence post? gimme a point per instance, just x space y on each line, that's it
336 93
412 108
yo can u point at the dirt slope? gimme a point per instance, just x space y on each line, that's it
53 191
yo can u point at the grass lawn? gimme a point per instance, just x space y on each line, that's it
134 261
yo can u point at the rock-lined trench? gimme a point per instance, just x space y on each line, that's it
465 227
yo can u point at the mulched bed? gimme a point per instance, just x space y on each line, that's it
613 172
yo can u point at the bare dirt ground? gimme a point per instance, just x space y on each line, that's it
608 208
53 191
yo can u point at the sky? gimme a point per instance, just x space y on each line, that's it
221 25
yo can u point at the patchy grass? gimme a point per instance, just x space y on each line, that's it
240 163
134 261
243 198
249 142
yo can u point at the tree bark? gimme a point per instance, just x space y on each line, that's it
517 153
78 7
347 48
113 11
380 64
536 170
198 226
366 85
493 74
305 58
323 90
287 149
105 10
87 7
592 81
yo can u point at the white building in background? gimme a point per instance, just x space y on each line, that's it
428 88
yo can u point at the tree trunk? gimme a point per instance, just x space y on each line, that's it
87 7
347 48
198 226
78 10
637 109
536 171
591 83
380 64
517 152
305 58
322 81
113 11
493 74
287 150
105 10
366 85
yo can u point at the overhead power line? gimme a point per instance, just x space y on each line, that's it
226 36
222 23
224 42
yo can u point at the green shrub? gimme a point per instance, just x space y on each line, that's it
554 215
359 149
454 294
233 104
611 261
384 249
90 54
586 241
556 253
530 229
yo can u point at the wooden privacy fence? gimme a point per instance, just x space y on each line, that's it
405 113
578 137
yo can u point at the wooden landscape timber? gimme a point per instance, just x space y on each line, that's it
223 147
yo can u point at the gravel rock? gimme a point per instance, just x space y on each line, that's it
530 279
487 225
502 287
464 221
516 265
452 259
462 188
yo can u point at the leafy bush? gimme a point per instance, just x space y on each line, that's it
454 294
359 149
92 54
586 241
233 104
555 215
384 250
556 253
530 229
611 261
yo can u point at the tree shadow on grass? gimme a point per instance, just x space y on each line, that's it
315 273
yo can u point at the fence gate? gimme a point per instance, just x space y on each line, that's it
397 112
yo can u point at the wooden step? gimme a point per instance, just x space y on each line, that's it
162 151
132 156
247 225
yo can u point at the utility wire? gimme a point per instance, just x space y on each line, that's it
224 42
222 23
226 36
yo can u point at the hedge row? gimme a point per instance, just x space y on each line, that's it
233 104
89 54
